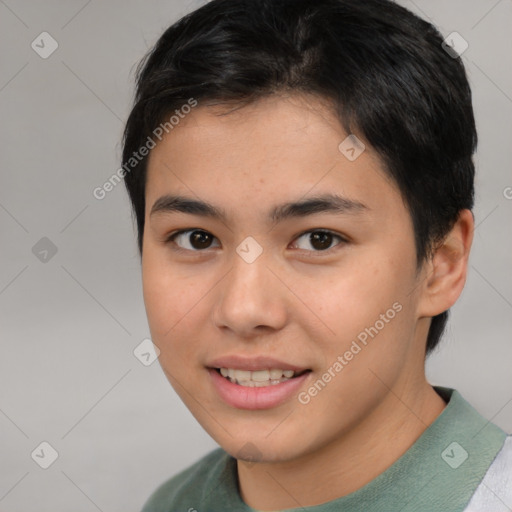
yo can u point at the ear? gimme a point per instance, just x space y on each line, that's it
445 274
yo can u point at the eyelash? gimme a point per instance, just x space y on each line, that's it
172 236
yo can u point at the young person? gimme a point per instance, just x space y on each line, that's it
302 179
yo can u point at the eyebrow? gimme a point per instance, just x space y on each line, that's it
326 203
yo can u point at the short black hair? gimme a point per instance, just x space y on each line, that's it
382 68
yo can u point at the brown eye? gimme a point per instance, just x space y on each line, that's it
192 239
318 240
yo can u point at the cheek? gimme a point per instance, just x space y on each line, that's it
366 315
172 301
353 297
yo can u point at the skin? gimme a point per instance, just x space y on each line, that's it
294 302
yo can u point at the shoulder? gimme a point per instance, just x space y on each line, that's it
184 489
496 488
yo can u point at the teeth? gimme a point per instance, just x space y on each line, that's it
261 375
258 378
242 375
277 374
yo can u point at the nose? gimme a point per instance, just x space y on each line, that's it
251 299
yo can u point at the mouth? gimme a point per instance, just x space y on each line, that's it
256 383
259 378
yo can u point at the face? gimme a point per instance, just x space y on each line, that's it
257 272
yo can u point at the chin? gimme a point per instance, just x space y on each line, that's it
258 448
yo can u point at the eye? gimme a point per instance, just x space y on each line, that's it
197 240
320 240
192 239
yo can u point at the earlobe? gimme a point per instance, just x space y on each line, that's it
447 270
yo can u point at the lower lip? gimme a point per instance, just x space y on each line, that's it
266 397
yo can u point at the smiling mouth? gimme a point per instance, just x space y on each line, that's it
258 378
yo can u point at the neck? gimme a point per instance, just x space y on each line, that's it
348 463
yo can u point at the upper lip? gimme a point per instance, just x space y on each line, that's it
239 362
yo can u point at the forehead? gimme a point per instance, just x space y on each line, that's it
276 148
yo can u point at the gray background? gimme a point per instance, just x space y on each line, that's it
69 325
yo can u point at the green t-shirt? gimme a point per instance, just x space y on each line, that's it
439 472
